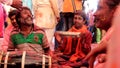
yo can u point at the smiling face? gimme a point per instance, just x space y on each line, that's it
78 21
13 21
103 15
26 17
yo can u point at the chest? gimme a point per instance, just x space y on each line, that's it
33 38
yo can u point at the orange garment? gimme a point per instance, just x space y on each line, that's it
80 44
68 7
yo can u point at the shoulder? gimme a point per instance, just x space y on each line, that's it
38 30
14 31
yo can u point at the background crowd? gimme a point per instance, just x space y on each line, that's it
34 25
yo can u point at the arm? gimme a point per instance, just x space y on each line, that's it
86 42
46 45
101 46
58 37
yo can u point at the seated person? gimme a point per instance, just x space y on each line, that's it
75 48
28 37
103 18
9 28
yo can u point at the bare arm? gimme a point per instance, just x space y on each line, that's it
101 47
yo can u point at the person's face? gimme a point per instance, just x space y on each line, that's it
26 17
13 21
17 4
78 21
103 15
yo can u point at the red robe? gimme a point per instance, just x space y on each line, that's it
82 47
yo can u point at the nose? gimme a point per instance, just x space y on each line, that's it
95 13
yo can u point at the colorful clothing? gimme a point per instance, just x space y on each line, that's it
77 47
35 42
46 13
2 20
6 38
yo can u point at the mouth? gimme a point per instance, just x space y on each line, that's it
29 18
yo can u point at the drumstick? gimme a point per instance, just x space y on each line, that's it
50 62
23 59
1 57
49 57
43 61
6 60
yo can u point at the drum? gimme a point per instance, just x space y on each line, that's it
24 59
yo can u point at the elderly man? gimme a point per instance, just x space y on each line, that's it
103 20
28 36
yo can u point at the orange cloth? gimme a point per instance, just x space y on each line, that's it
68 7
78 51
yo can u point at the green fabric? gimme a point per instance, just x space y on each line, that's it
31 38
98 35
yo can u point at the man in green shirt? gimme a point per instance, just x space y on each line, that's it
28 37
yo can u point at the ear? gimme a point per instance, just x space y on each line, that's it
84 22
114 9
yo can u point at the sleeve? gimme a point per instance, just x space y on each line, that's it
45 41
54 5
86 42
10 43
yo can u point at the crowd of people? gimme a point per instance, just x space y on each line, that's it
31 28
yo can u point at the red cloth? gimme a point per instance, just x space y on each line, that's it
82 45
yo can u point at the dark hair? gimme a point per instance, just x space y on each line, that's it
112 3
18 16
12 13
82 13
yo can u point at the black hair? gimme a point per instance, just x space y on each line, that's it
112 3
12 13
84 16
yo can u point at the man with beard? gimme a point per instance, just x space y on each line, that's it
103 20
28 37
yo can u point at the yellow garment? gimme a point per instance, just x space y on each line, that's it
68 7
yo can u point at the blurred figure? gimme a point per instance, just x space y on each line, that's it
46 16
69 7
103 20
113 60
11 5
2 19
8 29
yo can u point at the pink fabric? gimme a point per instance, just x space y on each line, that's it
7 37
2 19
